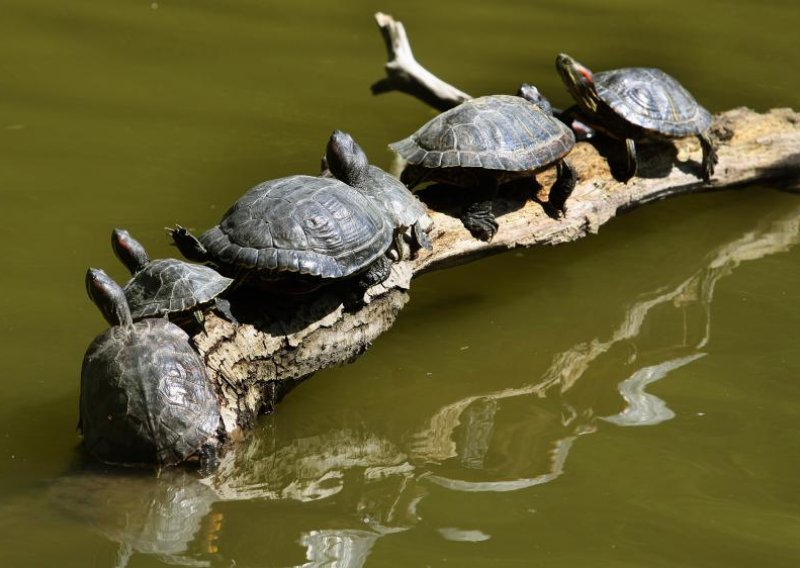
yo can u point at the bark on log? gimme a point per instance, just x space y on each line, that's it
275 346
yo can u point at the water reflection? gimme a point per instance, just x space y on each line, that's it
645 409
468 445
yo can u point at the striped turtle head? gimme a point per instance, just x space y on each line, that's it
579 81
129 251
108 297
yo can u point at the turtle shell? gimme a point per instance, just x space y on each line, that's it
145 396
391 195
305 225
498 132
168 286
653 100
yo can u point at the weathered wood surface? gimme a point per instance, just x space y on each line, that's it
276 345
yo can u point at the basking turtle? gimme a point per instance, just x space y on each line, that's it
348 163
167 285
485 142
638 103
145 396
295 234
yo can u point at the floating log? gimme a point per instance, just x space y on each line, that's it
275 346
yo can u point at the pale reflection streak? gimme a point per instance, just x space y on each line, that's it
645 409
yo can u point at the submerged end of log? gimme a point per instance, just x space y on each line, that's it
275 347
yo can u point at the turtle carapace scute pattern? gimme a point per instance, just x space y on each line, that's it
293 234
638 104
145 395
483 143
165 286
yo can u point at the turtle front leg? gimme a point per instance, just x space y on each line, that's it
480 221
710 157
419 240
631 164
562 188
478 217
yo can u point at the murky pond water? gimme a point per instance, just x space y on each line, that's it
626 400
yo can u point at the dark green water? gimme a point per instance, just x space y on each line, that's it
626 400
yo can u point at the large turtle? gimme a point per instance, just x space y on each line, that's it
145 396
485 142
295 234
167 285
348 163
638 103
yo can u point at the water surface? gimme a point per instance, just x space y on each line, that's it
626 400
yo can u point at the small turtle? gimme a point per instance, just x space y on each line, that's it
485 142
167 285
636 104
145 396
295 234
348 163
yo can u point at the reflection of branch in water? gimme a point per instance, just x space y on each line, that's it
645 409
436 443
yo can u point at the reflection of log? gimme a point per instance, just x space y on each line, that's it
254 363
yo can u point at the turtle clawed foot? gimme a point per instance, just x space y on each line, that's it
480 221
710 157
482 229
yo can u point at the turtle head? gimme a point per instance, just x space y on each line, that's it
532 95
108 297
578 80
346 160
129 251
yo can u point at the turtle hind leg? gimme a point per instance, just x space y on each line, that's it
223 308
377 272
562 189
710 157
478 217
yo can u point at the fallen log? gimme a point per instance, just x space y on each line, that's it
251 366
275 346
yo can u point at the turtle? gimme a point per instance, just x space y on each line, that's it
145 396
167 286
485 142
295 234
348 163
638 104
